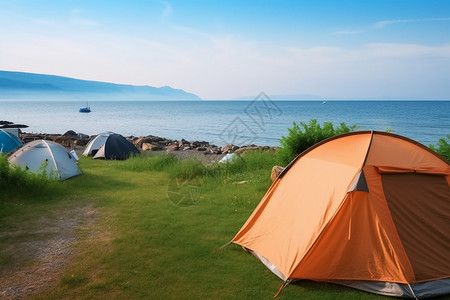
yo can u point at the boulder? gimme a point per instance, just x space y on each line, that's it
156 139
173 147
246 148
214 150
229 148
81 143
150 147
141 140
71 134
276 171
65 141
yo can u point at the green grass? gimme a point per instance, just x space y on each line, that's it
141 245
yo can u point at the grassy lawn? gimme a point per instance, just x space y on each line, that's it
148 228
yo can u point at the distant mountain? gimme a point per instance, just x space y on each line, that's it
20 85
285 97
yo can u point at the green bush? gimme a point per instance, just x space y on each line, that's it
303 136
443 147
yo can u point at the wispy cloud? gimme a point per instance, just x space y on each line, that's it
385 23
406 50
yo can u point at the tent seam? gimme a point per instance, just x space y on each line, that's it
53 157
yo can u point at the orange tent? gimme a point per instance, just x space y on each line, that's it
369 210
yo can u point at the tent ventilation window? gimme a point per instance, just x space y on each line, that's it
359 183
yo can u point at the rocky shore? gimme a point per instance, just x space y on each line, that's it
181 148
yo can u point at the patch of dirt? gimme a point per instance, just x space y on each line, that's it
38 256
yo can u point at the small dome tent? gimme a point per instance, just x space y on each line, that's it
60 163
96 143
370 210
8 141
116 147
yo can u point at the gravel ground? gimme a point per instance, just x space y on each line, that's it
39 259
187 154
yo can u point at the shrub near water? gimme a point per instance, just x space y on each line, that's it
443 147
303 136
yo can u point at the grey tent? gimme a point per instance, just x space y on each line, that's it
116 147
36 155
96 143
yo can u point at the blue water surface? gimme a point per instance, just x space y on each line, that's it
261 122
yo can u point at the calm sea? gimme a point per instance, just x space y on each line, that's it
261 122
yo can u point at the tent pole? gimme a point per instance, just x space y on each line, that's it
412 291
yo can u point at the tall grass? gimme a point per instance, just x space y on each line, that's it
141 163
14 178
248 163
18 186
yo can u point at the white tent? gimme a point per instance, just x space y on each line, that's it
96 143
228 158
60 164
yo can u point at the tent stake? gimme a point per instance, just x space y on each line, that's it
282 287
223 246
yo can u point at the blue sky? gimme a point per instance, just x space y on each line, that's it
396 49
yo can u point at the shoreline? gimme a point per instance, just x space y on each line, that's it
182 149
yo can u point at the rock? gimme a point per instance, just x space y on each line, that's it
141 140
229 148
201 148
183 143
65 141
80 143
156 139
71 134
214 150
246 148
150 147
187 148
276 171
173 147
